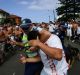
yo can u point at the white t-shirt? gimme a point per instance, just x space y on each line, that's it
51 28
78 30
69 31
52 66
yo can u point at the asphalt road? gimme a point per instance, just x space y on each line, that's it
12 66
75 69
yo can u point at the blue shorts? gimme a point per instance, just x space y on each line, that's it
33 68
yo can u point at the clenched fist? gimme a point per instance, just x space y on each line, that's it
34 43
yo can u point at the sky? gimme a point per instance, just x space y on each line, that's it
36 10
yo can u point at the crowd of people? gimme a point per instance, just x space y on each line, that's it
42 45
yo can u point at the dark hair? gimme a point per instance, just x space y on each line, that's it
32 35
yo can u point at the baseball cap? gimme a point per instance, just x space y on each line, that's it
26 23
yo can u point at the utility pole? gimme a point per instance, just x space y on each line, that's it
54 14
49 18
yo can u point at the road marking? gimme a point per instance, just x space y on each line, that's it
14 73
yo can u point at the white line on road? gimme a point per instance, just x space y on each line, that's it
14 73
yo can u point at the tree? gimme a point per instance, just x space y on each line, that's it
7 20
69 9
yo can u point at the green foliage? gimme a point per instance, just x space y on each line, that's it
2 21
7 20
68 9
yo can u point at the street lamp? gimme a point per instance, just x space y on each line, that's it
49 16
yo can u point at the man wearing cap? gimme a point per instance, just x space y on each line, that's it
31 59
51 52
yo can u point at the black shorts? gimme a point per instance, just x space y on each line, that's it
33 68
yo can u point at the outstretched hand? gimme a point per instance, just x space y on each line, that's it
23 60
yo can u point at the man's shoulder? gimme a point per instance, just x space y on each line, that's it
53 37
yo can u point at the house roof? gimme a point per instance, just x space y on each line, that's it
10 15
14 16
2 11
